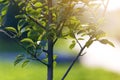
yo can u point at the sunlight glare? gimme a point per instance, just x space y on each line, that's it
113 5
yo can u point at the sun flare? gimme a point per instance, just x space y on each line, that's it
113 5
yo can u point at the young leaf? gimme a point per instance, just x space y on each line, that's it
105 41
81 31
19 58
80 39
72 45
54 57
54 63
27 40
45 60
38 4
100 34
89 43
72 35
21 24
12 29
25 63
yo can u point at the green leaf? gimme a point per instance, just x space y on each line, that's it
100 34
27 40
21 23
80 39
72 35
81 31
45 60
3 10
34 34
19 58
43 43
20 16
12 29
105 41
55 57
89 43
72 45
25 63
38 4
54 63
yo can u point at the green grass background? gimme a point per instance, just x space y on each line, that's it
37 71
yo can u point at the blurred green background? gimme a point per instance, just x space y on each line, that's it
37 71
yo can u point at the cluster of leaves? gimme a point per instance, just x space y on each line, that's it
66 23
3 9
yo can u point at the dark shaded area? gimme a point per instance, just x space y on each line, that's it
10 20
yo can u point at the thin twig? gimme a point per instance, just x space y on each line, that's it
83 54
77 41
105 6
29 52
76 58
45 51
6 33
34 20
58 35
59 32
22 46
73 62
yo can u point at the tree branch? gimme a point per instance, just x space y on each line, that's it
34 20
46 51
105 6
59 32
30 17
23 47
58 35
78 41
76 58
83 54
6 33
30 52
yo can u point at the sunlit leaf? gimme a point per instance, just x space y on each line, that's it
72 35
12 29
19 58
100 34
105 41
27 40
80 38
81 31
25 63
55 57
54 63
89 43
38 4
45 60
72 45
